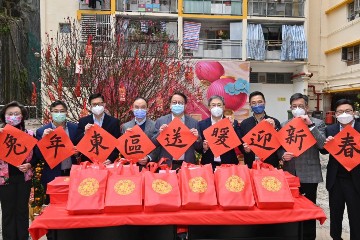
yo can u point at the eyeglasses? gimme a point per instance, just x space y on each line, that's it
97 104
58 111
297 106
344 111
13 114
177 102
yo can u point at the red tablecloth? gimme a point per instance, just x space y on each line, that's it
56 217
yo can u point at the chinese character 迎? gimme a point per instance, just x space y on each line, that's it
261 140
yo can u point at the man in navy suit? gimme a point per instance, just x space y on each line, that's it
58 111
343 185
177 105
216 105
99 117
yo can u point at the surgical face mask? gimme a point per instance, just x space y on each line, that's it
97 110
13 120
177 109
345 118
298 112
139 113
216 111
58 117
258 109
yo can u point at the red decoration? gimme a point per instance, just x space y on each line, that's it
233 102
159 103
78 87
56 57
48 54
84 112
47 116
60 88
122 93
33 95
67 61
189 74
51 96
49 78
209 71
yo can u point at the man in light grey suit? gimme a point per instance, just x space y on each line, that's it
140 109
177 105
306 166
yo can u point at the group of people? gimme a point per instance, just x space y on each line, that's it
343 185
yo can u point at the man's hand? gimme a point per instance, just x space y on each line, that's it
88 126
328 139
271 121
24 167
287 156
195 132
47 131
205 145
163 127
246 147
107 162
306 119
144 161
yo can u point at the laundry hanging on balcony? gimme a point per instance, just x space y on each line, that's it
255 42
191 35
294 45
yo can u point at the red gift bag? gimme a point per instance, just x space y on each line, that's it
87 189
197 187
271 188
124 191
294 183
233 187
58 189
162 193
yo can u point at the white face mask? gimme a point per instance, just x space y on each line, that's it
216 111
298 112
345 118
97 110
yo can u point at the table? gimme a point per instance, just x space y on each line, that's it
56 217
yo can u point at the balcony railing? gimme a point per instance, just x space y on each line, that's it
218 7
285 8
216 49
152 48
152 6
273 49
103 5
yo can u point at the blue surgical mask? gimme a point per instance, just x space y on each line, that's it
58 117
139 113
177 109
258 109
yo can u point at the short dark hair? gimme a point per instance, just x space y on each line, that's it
57 103
23 110
180 94
256 93
216 97
342 102
138 98
297 96
96 95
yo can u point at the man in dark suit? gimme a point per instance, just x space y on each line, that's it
343 185
177 105
58 111
306 166
99 117
216 105
257 104
146 124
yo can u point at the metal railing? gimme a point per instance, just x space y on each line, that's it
218 7
216 49
151 6
284 8
104 5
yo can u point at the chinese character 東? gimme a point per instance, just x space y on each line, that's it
96 141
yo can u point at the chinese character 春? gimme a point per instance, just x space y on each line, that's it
348 146
134 147
55 143
176 139
10 142
261 140
96 141
221 137
293 138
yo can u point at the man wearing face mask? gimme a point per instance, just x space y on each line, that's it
306 166
257 104
147 125
58 111
343 185
216 105
177 105
99 117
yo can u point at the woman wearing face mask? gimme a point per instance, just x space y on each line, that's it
343 185
15 182
216 106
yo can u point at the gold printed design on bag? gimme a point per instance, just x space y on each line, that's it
124 187
198 184
161 186
88 187
235 184
271 184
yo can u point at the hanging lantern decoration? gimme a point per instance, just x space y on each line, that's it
77 90
33 95
209 71
122 93
60 88
84 112
51 96
159 103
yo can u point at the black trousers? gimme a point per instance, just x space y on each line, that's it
344 192
14 199
310 192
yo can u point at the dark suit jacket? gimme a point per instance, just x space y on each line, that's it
49 174
334 166
208 157
245 127
110 124
190 123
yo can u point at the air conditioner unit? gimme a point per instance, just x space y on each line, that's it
262 78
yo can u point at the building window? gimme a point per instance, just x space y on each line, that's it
97 26
64 27
351 55
271 78
354 10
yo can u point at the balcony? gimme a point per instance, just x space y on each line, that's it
273 49
216 49
232 7
276 8
151 6
103 5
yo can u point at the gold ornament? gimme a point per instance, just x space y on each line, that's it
88 187
235 184
124 187
271 184
161 186
198 184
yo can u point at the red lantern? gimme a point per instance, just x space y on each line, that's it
233 102
209 71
